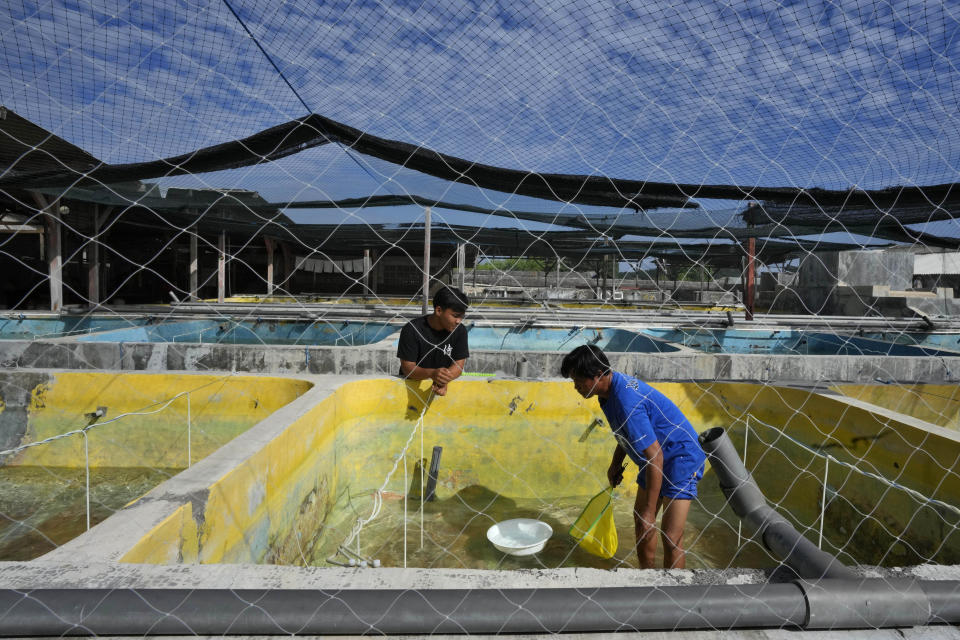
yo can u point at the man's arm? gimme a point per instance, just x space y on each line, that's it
412 371
442 376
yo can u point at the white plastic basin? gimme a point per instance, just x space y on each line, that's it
520 536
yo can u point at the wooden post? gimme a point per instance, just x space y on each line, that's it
426 261
194 265
221 266
749 289
270 246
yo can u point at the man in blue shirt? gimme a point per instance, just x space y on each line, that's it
655 434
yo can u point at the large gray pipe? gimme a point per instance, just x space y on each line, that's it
760 519
825 604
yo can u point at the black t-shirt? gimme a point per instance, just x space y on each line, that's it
431 349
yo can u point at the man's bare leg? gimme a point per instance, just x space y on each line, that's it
673 522
646 532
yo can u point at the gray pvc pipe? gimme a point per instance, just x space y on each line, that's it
760 519
824 604
137 612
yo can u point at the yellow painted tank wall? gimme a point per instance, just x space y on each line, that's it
220 408
935 403
920 459
520 439
873 517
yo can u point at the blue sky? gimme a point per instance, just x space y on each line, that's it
822 94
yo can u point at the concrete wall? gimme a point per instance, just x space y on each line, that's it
690 365
872 283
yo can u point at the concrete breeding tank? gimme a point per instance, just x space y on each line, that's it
79 446
516 449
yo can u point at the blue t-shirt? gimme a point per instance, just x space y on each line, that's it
639 415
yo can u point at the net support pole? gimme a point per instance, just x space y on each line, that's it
289 265
461 265
366 271
750 282
194 264
55 258
54 253
93 264
270 246
221 266
426 260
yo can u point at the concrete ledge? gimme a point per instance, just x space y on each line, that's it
281 359
74 574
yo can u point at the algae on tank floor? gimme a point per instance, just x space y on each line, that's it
44 507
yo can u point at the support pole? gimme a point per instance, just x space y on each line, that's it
221 266
749 289
375 270
366 271
659 292
603 285
461 265
270 246
288 267
93 264
54 250
194 265
426 260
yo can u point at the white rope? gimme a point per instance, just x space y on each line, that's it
378 494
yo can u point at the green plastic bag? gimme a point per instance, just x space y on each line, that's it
594 530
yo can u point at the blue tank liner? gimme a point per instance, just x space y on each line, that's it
278 332
788 341
22 327
948 341
521 338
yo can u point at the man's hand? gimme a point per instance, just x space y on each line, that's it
444 376
615 473
440 390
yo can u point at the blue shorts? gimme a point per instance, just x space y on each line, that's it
680 478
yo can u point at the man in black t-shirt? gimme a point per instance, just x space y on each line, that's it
435 346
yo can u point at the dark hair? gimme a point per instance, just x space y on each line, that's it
586 361
451 298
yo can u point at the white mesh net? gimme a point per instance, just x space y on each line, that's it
217 217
